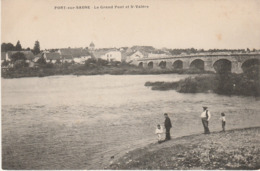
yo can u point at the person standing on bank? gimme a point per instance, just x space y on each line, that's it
223 120
205 117
168 125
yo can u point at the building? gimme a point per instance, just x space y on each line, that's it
51 57
81 60
136 55
37 57
7 56
78 55
112 56
28 55
91 46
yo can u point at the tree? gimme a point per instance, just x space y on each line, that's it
36 49
5 63
7 47
58 61
18 46
18 56
20 64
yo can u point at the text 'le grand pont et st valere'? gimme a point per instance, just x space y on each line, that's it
98 7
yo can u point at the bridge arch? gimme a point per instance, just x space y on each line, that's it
141 65
197 64
177 64
249 63
222 65
150 64
162 64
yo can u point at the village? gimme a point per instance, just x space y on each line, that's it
128 55
80 55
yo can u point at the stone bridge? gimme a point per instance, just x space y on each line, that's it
233 62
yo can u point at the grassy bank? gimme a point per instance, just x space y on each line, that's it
247 83
234 149
98 68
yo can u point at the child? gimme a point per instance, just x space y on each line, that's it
223 119
159 132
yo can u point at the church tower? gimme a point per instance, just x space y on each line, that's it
92 46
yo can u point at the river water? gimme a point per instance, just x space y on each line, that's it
70 122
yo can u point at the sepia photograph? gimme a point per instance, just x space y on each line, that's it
130 85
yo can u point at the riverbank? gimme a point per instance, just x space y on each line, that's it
247 84
76 69
233 149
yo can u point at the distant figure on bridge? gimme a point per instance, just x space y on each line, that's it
205 117
223 120
168 125
159 132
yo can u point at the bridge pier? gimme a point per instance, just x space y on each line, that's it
169 65
236 67
208 66
156 65
145 65
186 64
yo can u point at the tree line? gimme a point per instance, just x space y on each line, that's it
5 47
193 50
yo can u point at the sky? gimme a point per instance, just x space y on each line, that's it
206 24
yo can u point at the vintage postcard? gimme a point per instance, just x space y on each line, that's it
130 84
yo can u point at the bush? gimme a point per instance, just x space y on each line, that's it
5 63
20 64
18 56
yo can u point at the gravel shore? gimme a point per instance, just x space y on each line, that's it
233 149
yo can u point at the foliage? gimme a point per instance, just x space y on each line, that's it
18 46
7 47
247 83
92 63
58 61
20 64
36 48
49 65
17 56
193 50
5 63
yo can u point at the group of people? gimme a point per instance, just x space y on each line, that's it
205 117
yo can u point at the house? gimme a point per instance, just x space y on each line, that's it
67 58
81 60
28 55
78 55
99 53
112 56
136 55
148 49
51 57
37 57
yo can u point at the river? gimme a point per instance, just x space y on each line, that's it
70 122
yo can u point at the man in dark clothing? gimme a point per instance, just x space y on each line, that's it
168 125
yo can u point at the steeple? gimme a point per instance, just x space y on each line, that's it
91 46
